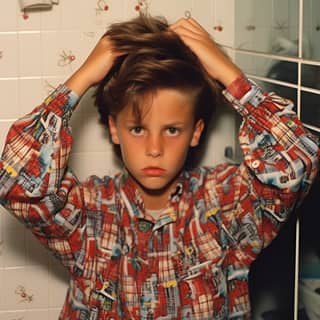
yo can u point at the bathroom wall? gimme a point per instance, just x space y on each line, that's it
39 50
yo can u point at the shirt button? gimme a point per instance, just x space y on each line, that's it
255 164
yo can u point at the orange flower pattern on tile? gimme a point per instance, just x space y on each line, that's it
22 293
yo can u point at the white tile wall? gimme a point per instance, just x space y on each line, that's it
35 56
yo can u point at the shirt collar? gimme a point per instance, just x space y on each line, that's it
137 206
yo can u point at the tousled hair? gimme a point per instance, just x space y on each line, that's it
155 58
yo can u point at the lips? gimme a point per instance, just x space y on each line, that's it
154 171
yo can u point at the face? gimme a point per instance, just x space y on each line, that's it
155 148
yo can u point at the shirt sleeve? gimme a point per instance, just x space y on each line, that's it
36 184
280 161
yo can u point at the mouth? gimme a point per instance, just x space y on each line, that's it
154 171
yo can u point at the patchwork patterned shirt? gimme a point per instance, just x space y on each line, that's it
190 263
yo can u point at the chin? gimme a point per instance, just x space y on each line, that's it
155 187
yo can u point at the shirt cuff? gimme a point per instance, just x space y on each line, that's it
62 100
239 87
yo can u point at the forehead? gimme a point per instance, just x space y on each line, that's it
166 102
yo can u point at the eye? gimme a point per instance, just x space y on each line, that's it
173 131
137 131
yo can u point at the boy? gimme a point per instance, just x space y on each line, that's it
158 241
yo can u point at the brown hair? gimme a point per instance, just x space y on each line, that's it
155 58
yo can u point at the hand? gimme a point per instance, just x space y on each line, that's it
213 59
94 68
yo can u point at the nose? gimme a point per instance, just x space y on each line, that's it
154 146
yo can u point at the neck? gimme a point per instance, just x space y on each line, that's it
155 199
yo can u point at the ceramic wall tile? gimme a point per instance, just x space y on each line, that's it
224 22
37 283
36 253
29 54
35 315
53 314
58 284
8 15
132 7
13 246
89 135
203 11
3 305
70 55
24 288
4 127
12 315
28 21
24 315
264 12
50 20
98 163
50 53
9 93
89 14
108 11
49 84
29 95
15 295
171 10
8 55
8 220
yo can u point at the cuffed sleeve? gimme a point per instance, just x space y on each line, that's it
280 158
36 184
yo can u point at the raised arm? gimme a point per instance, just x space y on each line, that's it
281 158
36 184
213 59
95 67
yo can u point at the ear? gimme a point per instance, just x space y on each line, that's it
197 131
113 130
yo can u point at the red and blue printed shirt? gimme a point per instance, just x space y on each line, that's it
190 263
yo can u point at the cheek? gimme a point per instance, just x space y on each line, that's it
130 149
178 149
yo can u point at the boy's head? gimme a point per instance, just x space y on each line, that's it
155 58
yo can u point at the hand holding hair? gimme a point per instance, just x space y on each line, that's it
214 60
95 67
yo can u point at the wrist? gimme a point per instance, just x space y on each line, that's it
229 75
78 82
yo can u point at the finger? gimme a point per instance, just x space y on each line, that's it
190 24
190 36
196 24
